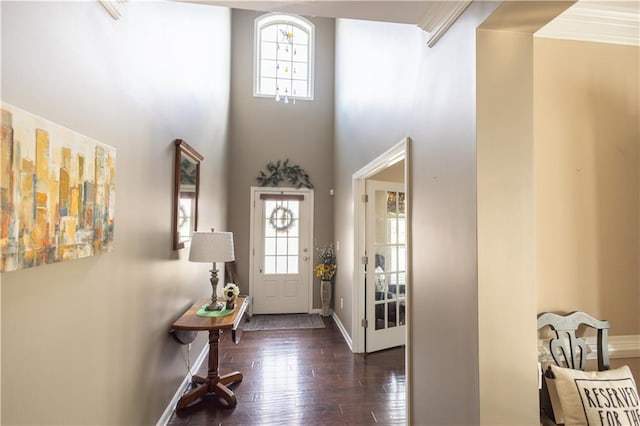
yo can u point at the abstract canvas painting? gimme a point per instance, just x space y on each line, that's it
57 192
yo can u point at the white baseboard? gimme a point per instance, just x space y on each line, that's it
164 419
619 347
343 330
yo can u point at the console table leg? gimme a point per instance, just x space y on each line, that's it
225 393
193 396
214 339
236 376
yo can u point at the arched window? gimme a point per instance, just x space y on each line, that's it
283 63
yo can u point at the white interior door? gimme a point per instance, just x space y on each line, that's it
281 254
386 276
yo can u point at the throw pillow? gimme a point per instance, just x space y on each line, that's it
597 397
556 406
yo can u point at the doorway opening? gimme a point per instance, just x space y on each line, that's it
382 293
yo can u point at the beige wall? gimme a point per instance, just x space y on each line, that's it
587 181
506 228
506 291
263 130
559 120
86 342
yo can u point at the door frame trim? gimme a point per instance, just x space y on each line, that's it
394 154
275 190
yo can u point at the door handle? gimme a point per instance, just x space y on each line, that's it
305 258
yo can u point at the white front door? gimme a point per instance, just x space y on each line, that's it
281 232
386 252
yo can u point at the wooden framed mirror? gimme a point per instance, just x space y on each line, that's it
186 189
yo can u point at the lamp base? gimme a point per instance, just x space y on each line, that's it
215 306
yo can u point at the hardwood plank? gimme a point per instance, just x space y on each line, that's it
306 376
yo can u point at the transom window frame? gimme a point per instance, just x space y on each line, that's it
299 23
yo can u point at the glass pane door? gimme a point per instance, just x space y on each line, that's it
281 236
386 249
281 271
390 259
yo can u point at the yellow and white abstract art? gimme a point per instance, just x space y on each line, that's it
57 192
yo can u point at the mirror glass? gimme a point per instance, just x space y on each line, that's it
186 190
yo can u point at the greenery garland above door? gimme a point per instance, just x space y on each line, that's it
281 171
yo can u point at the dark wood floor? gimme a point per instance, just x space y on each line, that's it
305 377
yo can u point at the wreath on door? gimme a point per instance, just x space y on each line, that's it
281 218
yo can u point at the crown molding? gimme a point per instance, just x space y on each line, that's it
113 7
614 22
439 17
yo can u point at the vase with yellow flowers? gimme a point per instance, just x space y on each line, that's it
325 270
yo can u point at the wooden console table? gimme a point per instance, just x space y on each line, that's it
214 382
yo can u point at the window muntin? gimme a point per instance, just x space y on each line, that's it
283 62
281 236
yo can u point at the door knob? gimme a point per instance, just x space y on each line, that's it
305 258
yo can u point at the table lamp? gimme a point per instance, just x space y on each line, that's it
212 247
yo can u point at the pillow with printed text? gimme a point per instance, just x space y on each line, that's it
597 397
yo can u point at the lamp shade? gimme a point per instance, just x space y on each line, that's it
211 247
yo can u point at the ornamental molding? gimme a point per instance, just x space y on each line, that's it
113 7
439 18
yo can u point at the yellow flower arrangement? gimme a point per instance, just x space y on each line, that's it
325 272
326 269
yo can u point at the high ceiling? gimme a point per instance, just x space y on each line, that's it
601 21
407 12
589 20
434 17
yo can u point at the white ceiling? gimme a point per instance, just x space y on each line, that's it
588 20
407 12
434 17
615 22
